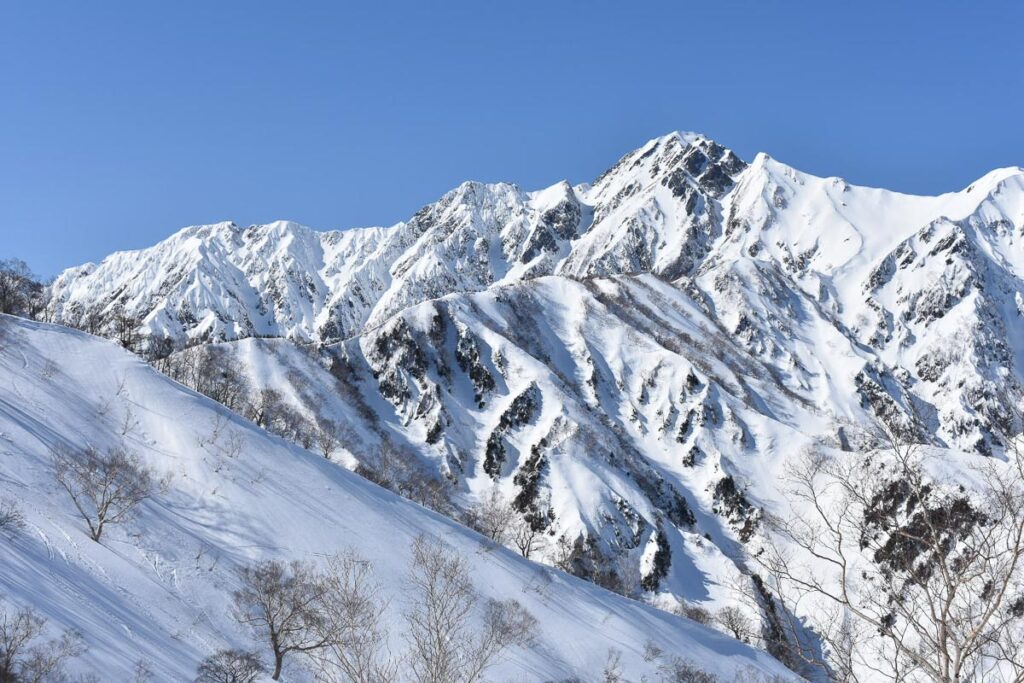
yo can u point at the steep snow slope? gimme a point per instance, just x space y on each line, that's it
156 589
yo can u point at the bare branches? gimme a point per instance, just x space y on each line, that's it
21 293
25 656
911 576
12 519
330 436
353 624
283 604
230 666
493 517
399 470
526 536
334 619
106 488
733 621
444 645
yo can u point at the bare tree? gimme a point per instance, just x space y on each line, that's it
264 407
564 553
493 516
230 666
526 536
445 646
612 672
353 625
914 576
284 605
106 487
25 655
19 288
399 469
288 423
124 327
327 435
506 623
211 371
735 622
12 519
92 321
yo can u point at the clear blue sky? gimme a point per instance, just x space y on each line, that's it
123 121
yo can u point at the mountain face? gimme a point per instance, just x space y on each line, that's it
631 363
929 289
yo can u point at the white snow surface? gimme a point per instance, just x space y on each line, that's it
157 589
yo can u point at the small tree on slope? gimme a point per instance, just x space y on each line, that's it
229 666
445 645
283 604
106 488
25 656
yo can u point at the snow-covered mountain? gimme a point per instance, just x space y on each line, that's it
633 362
932 286
158 589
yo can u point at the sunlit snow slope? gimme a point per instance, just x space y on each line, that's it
156 589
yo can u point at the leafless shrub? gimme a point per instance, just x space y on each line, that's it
50 369
680 670
217 426
233 445
106 487
142 672
444 643
652 651
129 423
230 666
493 516
735 622
612 672
25 656
694 613
12 519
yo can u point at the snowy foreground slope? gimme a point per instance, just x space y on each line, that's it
157 589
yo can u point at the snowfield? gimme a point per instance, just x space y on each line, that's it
158 588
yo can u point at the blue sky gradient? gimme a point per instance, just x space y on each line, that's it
122 121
